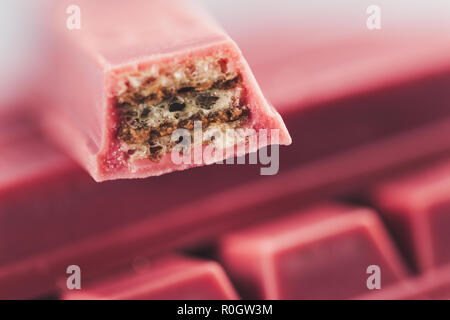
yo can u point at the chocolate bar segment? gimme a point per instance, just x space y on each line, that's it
322 252
123 84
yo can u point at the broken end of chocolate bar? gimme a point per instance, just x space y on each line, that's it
153 104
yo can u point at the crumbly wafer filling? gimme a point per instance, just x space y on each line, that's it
153 104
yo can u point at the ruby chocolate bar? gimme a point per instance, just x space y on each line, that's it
173 277
134 73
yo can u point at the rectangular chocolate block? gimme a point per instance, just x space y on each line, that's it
103 226
123 84
358 144
322 252
203 211
164 278
416 205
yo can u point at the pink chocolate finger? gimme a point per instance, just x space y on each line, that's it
123 84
